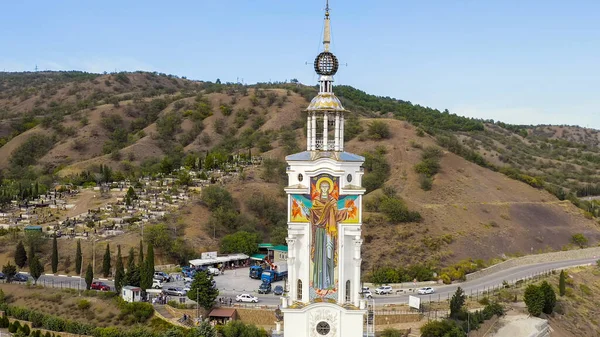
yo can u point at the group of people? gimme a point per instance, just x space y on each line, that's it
223 301
160 299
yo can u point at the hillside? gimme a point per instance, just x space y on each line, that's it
494 193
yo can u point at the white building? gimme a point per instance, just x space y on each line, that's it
131 294
324 220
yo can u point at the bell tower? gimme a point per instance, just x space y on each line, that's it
324 219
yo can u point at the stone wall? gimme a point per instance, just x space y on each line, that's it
593 252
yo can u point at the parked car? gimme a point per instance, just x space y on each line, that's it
20 277
383 290
278 290
100 286
264 288
214 271
426 290
172 291
2 276
366 294
246 298
156 284
160 275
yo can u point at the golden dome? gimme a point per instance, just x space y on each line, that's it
325 102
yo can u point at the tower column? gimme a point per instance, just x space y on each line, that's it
357 261
308 132
341 131
325 131
337 132
291 260
313 141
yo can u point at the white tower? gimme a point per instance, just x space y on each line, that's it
324 220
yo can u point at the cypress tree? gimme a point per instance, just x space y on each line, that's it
141 257
147 270
561 283
150 259
106 263
78 258
20 255
89 276
132 276
36 268
119 272
54 255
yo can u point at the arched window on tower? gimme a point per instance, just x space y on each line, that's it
299 290
348 291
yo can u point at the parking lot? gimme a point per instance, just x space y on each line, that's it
234 282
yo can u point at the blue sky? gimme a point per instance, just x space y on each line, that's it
519 61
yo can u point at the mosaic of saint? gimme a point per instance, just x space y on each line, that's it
324 209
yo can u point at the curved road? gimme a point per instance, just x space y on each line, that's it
442 292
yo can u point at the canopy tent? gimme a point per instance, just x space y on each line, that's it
258 257
218 259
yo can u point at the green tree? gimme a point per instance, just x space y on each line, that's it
215 196
106 265
443 328
141 256
119 271
562 280
240 329
132 276
240 242
89 276
147 270
78 258
54 255
34 240
203 330
378 130
9 271
534 299
456 303
20 255
202 290
36 268
549 297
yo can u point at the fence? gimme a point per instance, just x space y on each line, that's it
593 252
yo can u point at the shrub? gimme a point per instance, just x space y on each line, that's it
25 329
391 332
441 328
425 182
378 130
14 326
446 279
83 304
579 239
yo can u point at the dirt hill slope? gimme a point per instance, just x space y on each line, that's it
126 120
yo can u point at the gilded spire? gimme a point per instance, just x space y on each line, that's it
327 33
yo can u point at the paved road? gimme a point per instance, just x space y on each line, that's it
441 292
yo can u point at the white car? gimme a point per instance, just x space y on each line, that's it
156 284
367 294
383 290
246 298
426 290
214 271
